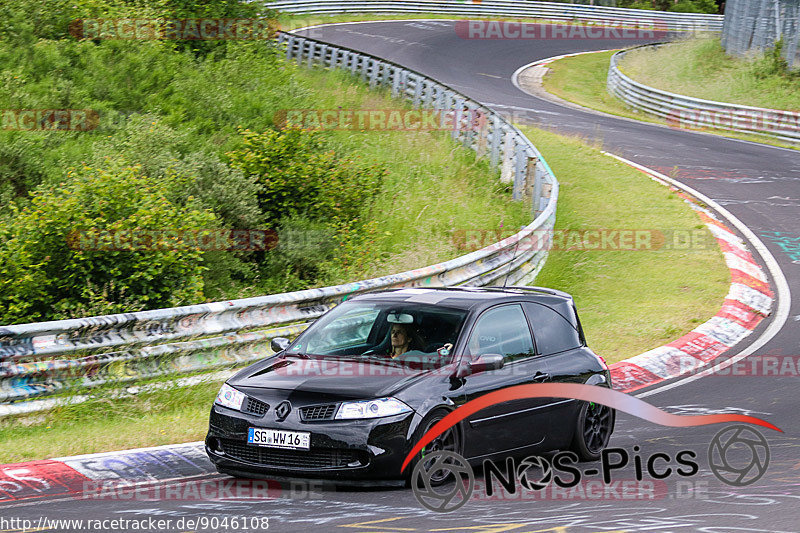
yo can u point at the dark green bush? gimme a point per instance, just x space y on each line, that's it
50 264
298 178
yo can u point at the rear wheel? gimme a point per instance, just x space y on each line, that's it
449 441
593 428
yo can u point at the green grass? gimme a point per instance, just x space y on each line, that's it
700 68
581 80
148 419
628 301
434 187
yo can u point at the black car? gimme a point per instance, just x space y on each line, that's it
341 402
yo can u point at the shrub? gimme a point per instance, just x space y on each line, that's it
161 150
299 178
47 272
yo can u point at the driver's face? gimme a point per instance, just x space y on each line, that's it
399 336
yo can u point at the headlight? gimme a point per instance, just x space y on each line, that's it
230 397
371 409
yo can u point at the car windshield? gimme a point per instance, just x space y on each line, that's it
393 331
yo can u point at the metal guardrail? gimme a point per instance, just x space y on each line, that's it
757 25
510 8
43 358
688 112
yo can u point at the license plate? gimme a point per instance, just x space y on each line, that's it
279 438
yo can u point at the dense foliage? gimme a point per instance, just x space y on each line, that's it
186 131
64 253
168 113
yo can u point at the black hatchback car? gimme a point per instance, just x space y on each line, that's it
355 391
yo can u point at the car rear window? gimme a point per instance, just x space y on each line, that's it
551 331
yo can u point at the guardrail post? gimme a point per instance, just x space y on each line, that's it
373 75
497 132
418 86
507 168
447 98
323 51
520 164
404 84
395 81
312 50
457 117
289 47
353 62
430 91
483 133
469 125
537 171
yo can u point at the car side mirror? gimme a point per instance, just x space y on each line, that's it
488 361
279 344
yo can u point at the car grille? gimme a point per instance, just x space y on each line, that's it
318 412
255 407
319 458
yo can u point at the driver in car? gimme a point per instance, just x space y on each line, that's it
401 340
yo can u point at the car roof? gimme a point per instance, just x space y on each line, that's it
469 297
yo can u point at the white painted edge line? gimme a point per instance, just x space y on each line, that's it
304 28
515 76
782 293
566 103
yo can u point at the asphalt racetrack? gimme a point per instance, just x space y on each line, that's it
759 184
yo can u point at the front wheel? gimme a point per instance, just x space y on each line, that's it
593 428
449 441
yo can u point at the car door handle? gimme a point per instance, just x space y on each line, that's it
540 377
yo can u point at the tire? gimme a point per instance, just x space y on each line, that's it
593 427
450 440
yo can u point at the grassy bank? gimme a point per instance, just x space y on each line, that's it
581 80
700 68
629 301
103 424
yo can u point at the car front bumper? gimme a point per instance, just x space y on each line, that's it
370 449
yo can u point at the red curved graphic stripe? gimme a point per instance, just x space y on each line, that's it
589 393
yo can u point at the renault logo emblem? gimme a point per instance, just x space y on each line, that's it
282 410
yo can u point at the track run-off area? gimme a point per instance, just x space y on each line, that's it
758 185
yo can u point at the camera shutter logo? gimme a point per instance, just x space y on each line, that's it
530 465
738 455
456 475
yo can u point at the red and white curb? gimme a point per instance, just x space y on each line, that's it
749 301
99 473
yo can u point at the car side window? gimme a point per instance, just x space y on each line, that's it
553 333
502 330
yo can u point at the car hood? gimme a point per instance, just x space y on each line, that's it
341 377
